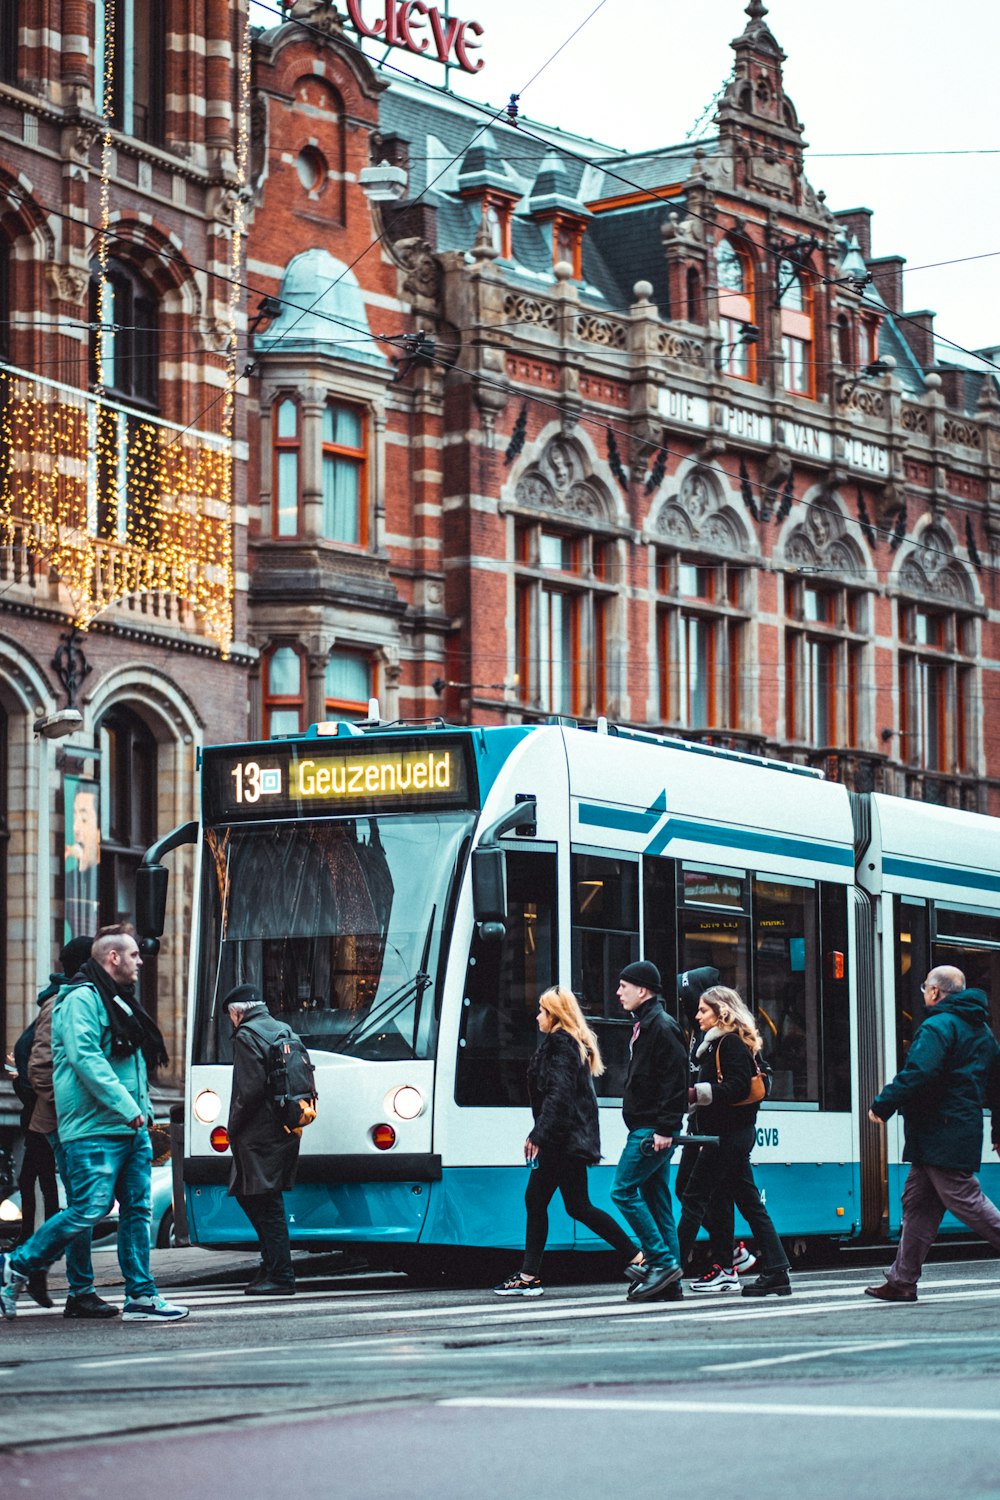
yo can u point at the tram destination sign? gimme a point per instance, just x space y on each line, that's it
324 778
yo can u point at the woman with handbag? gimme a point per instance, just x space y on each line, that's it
730 1085
565 1138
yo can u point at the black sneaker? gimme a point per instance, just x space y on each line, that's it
768 1284
38 1288
89 1305
518 1287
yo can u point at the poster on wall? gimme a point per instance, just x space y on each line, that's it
82 856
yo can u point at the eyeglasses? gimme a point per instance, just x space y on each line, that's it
925 986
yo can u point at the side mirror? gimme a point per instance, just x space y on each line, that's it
151 900
489 890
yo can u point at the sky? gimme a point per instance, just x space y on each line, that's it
897 98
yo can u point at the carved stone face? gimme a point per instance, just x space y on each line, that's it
560 465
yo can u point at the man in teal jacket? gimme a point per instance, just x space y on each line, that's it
951 1074
102 1044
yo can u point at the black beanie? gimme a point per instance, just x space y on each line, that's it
692 984
644 975
75 953
243 994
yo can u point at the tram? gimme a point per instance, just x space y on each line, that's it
402 894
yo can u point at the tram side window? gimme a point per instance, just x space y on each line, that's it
604 938
833 922
912 962
970 939
659 922
503 982
788 993
714 923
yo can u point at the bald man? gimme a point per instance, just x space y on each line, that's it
951 1073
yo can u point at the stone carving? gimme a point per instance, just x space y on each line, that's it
68 283
559 483
609 334
686 350
424 273
699 515
821 540
321 15
931 568
966 433
529 310
914 419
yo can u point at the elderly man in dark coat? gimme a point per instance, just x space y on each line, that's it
952 1071
265 1154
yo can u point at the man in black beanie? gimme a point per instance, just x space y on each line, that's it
654 1102
265 1154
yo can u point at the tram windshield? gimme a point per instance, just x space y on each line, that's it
341 924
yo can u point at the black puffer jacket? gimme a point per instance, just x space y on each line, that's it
717 1112
656 1082
563 1102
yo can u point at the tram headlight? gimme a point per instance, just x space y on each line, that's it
383 1137
405 1103
206 1106
219 1139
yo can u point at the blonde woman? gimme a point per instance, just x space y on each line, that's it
565 1138
722 1177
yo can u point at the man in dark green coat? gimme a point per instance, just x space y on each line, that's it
951 1074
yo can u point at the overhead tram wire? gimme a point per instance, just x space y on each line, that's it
494 117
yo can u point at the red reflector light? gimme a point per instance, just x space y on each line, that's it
219 1139
835 966
384 1137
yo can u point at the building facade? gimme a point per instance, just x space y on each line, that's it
666 446
122 464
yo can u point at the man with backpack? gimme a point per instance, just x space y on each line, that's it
269 1105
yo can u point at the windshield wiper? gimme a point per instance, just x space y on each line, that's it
395 1002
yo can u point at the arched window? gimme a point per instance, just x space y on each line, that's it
795 298
701 615
735 279
825 680
937 682
564 598
845 350
345 513
695 311
284 691
128 800
348 684
285 484
130 348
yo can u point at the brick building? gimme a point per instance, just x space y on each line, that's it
671 448
122 543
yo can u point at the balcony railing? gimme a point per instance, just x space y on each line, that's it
117 507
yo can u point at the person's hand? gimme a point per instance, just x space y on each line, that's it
137 1123
530 1150
662 1142
692 1096
875 1119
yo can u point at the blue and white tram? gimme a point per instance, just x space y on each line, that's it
402 894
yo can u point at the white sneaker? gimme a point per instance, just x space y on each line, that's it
11 1286
153 1310
718 1279
744 1260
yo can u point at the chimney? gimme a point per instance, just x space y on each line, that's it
888 274
858 221
918 331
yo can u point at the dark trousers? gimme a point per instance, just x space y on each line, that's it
38 1165
569 1175
266 1212
720 1179
928 1193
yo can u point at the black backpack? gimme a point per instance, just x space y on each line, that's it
292 1080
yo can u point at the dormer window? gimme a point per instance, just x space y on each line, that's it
497 215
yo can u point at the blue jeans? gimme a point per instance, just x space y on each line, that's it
643 1198
79 1266
100 1169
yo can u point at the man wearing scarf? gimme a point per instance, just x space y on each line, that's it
103 1047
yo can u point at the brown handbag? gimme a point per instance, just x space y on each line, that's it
758 1085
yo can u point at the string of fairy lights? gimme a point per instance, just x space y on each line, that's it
117 502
